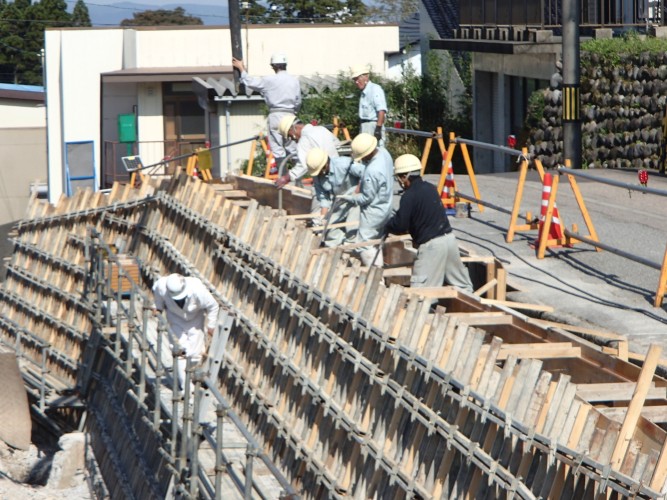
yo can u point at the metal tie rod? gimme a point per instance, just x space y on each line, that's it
188 155
418 133
631 187
486 145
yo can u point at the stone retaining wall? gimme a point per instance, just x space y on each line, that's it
622 107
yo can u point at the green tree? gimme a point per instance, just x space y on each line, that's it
393 11
316 11
255 13
80 14
162 17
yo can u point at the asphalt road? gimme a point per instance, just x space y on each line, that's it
599 290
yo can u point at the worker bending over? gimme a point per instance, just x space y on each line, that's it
192 312
421 214
307 137
375 194
282 94
333 177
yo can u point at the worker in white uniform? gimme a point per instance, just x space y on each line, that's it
282 94
372 104
333 177
192 313
307 136
375 194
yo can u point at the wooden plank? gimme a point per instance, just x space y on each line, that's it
518 305
617 391
656 414
541 350
635 406
436 292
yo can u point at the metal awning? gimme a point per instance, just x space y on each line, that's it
180 74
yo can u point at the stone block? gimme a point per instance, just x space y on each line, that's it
604 33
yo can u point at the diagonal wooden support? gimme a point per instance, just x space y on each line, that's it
531 224
448 155
662 283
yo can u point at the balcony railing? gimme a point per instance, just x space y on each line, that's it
546 14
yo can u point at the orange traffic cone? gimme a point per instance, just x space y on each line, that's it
449 189
555 228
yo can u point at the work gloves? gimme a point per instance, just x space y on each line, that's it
378 132
281 182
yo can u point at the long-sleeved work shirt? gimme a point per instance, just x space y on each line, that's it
341 178
420 213
281 91
375 195
313 136
199 310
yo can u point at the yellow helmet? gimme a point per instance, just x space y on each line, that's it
286 124
363 145
316 160
407 163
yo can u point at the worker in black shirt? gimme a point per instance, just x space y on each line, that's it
421 214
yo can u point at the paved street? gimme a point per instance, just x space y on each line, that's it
587 288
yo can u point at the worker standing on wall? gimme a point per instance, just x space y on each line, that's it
375 194
306 137
372 104
192 313
333 177
421 214
282 93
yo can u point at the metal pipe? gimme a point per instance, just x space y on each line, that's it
611 182
250 455
144 349
613 250
175 399
159 373
195 436
187 415
281 169
491 147
418 133
220 413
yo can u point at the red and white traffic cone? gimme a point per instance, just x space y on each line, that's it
555 228
273 167
449 189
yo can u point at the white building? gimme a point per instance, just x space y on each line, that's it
97 78
22 147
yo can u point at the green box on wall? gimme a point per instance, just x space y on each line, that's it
127 128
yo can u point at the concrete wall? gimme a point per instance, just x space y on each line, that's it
75 59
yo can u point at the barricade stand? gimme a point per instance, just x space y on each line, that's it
267 152
448 154
200 162
339 127
662 283
531 223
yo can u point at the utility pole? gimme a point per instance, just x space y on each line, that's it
571 83
235 31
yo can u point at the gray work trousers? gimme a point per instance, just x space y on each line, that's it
439 262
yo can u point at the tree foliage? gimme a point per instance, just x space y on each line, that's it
80 15
316 11
162 17
393 11
415 102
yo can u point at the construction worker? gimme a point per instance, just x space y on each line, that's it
282 93
421 214
192 312
374 196
333 177
307 137
372 104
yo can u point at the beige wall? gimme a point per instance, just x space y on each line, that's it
22 114
22 161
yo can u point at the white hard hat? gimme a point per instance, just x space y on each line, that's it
286 124
316 160
278 58
358 70
176 286
363 145
407 163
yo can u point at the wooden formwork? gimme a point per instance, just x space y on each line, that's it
353 385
